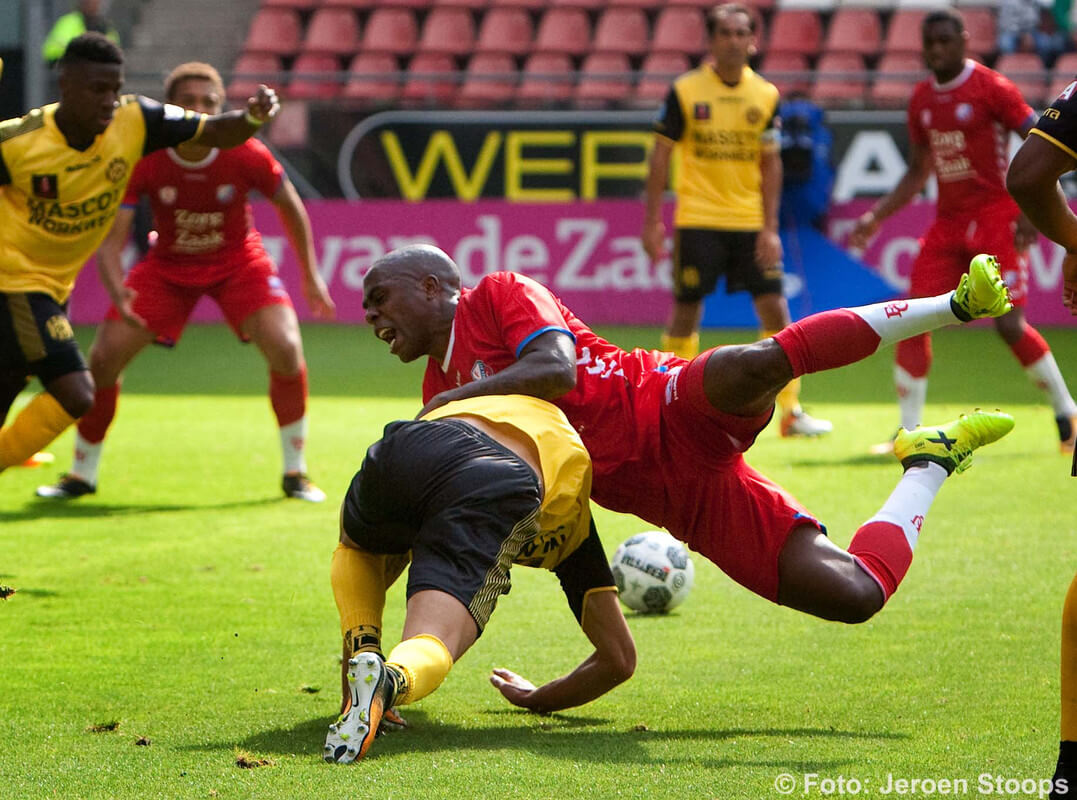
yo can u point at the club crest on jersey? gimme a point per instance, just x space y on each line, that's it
116 170
753 115
701 111
963 112
925 117
59 328
479 370
225 192
167 194
45 186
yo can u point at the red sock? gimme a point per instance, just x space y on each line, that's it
882 549
93 425
288 395
1031 347
914 355
827 340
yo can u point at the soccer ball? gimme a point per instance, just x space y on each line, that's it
653 572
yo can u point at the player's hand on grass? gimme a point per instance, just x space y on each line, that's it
124 303
318 300
866 227
264 105
517 689
768 249
1069 282
1025 235
654 239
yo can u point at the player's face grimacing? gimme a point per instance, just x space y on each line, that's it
197 94
398 307
90 94
944 49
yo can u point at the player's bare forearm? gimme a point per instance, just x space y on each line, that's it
235 127
910 185
293 215
770 166
110 254
1032 179
657 176
589 681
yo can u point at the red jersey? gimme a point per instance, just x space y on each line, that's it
502 314
965 123
200 209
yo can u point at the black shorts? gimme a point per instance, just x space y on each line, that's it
701 256
36 338
462 503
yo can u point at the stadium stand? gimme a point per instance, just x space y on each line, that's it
315 76
276 31
655 76
505 30
490 80
447 30
431 80
788 71
840 79
622 30
1026 70
903 33
1062 75
895 75
678 29
854 30
795 31
564 30
390 30
604 78
547 78
373 77
333 31
250 70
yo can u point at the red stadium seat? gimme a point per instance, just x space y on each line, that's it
275 31
622 30
790 72
250 70
646 5
373 77
290 128
450 31
418 5
983 33
854 30
505 30
588 5
333 31
353 4
1027 72
840 79
895 75
298 5
903 33
604 78
490 80
547 78
679 30
474 5
657 73
431 80
311 77
795 31
390 30
1063 74
564 30
529 5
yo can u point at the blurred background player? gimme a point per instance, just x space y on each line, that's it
86 17
205 246
955 119
63 172
1049 152
471 488
724 119
667 437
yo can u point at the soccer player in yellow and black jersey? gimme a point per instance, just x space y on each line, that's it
473 487
723 119
63 171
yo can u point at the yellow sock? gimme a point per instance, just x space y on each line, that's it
358 579
41 421
424 661
788 400
683 346
1069 665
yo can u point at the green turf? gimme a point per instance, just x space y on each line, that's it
190 604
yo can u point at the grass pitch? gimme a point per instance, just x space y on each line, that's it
175 635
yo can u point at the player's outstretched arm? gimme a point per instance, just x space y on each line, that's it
910 185
612 663
235 127
653 235
297 224
110 266
545 369
1032 179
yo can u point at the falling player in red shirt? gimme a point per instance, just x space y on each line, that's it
959 122
205 246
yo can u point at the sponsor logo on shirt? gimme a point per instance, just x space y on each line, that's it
753 115
479 370
45 186
701 111
59 328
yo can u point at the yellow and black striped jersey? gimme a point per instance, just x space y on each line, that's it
57 203
565 513
720 132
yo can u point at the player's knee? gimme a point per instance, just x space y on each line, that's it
78 401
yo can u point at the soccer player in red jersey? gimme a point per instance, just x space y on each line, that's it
959 121
667 436
205 246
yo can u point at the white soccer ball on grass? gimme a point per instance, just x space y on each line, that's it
653 572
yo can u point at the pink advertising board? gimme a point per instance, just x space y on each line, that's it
589 254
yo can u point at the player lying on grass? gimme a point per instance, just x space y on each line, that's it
668 436
206 246
470 489
63 171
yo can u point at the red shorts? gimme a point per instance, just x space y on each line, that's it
167 293
950 244
689 476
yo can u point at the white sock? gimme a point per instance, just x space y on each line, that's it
902 319
1045 374
293 437
87 458
912 394
908 504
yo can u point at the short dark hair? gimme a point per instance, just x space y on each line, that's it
951 15
93 47
726 9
